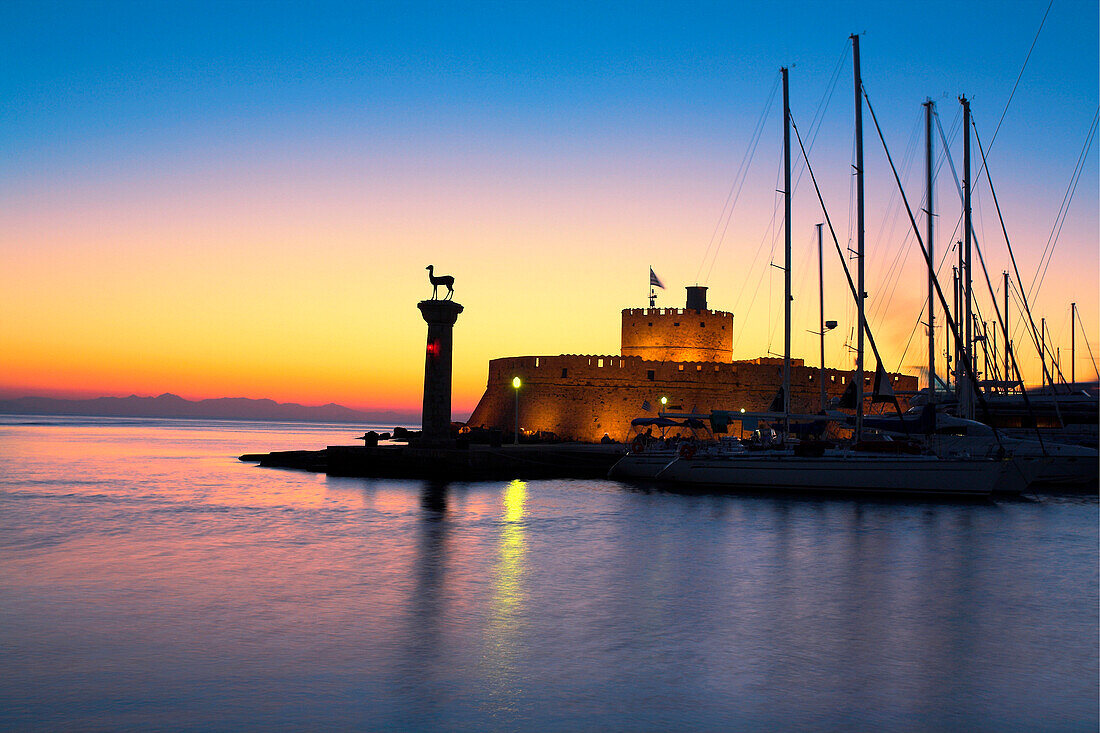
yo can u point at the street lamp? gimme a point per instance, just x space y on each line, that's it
516 385
826 326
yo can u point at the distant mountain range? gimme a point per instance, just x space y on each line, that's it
225 408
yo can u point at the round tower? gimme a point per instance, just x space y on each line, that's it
692 333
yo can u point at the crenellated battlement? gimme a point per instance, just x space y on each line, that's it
672 312
583 396
677 334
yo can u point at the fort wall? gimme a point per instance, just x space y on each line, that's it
677 334
584 397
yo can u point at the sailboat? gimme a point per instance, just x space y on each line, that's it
848 469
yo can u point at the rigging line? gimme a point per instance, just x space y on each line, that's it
1084 335
1020 75
892 280
942 158
968 365
1034 332
1065 212
836 243
763 238
759 249
907 163
892 214
1019 299
818 119
771 299
1004 231
797 309
968 368
742 173
759 280
943 258
974 237
981 211
1061 207
1056 338
729 216
851 308
819 116
981 255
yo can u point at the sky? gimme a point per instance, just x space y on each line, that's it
240 199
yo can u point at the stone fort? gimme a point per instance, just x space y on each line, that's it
682 354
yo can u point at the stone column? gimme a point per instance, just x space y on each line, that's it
440 316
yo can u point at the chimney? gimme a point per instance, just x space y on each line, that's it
697 298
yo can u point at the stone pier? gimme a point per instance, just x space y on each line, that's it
440 315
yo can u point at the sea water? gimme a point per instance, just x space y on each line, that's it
150 580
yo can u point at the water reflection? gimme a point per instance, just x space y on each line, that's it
508 587
343 603
433 498
502 634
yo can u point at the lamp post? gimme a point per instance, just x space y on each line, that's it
516 385
826 326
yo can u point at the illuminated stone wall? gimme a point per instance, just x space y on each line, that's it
677 334
584 397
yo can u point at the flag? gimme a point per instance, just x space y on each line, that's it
654 280
646 406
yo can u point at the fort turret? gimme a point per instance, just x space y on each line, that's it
689 334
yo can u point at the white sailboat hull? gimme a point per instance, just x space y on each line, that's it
1037 464
641 465
841 472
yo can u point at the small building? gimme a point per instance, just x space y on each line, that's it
684 355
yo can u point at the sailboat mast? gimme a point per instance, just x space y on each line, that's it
928 240
992 341
786 255
860 286
1008 344
1073 344
955 271
984 336
1043 351
821 313
966 406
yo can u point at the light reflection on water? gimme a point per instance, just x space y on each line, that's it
148 579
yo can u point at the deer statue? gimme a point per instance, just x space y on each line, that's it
440 280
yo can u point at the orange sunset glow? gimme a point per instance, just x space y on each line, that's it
229 253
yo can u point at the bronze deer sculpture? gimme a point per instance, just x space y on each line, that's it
436 281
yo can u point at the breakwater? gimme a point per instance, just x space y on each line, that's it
476 462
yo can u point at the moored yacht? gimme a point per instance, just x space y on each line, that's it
840 470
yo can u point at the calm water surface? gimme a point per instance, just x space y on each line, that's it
150 580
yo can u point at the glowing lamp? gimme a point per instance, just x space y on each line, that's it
742 410
664 400
515 385
433 348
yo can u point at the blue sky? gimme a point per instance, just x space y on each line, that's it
79 70
610 130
